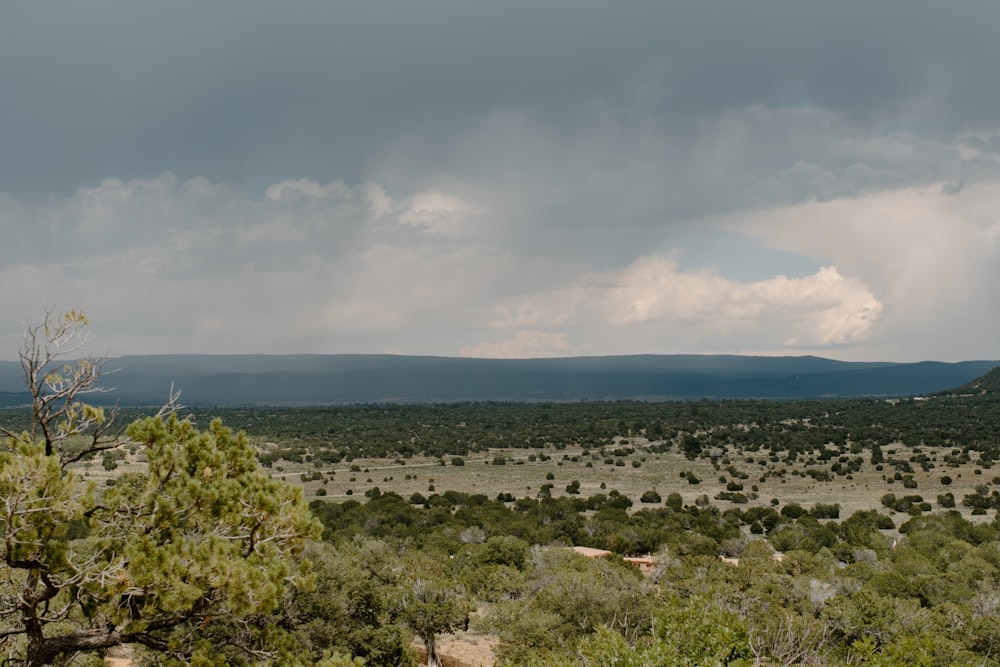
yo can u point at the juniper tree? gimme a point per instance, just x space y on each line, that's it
201 538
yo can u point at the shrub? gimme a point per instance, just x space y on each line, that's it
793 511
826 511
946 500
650 496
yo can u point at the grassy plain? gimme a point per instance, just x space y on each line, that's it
661 472
522 477
584 445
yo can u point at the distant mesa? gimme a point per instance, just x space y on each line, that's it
14 399
293 380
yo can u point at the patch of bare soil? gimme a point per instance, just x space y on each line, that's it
120 656
465 649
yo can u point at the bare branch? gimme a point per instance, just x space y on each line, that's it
173 404
56 382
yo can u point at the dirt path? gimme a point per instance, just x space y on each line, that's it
119 656
461 650
464 649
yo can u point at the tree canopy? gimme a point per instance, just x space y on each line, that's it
202 539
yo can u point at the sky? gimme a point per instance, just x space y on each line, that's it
504 179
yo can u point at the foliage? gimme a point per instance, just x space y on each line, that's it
650 496
848 591
432 603
204 538
354 606
565 597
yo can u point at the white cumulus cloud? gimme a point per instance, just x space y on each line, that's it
654 306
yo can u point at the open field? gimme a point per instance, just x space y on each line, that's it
524 473
730 454
660 472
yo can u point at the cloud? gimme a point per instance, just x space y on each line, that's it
183 266
817 310
653 306
631 178
609 183
929 254
440 213
164 265
282 93
524 345
170 265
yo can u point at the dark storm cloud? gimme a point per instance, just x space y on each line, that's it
253 92
517 178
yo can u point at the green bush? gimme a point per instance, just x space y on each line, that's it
650 496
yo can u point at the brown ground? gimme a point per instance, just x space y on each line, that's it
120 656
464 649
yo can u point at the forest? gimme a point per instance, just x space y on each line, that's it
854 532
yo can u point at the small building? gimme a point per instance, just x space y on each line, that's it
644 563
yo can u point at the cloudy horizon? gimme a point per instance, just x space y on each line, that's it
504 180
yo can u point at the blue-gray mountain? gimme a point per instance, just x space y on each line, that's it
333 379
